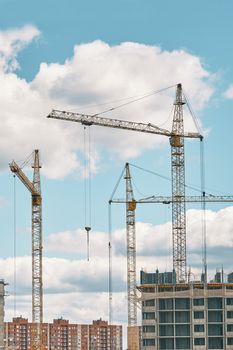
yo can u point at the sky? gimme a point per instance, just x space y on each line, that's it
91 57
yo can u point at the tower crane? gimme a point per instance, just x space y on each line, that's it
176 136
131 204
131 250
37 286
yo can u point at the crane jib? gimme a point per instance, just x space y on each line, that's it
89 120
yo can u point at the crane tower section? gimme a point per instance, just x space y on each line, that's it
178 189
37 285
37 293
131 250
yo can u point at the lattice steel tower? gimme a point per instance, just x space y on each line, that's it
131 250
178 189
37 285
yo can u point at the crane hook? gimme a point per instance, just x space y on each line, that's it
88 229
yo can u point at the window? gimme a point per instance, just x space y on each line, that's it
215 329
182 303
166 343
198 302
199 328
229 301
229 341
230 328
148 315
148 329
150 302
199 341
215 316
166 330
182 316
148 342
215 303
198 314
166 304
229 314
182 330
183 343
215 343
166 317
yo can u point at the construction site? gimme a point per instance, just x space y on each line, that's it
176 310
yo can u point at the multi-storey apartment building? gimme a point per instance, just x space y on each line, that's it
61 335
193 315
19 334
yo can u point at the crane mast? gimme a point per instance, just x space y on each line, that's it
37 286
178 189
37 294
131 249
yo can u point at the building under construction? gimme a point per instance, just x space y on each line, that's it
195 315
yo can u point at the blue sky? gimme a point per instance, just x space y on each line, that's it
73 55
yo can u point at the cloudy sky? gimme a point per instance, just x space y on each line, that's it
90 57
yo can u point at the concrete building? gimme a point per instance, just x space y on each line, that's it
186 316
61 335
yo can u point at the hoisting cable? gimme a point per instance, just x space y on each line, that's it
116 186
27 160
137 189
166 177
203 207
195 120
168 243
169 117
14 244
87 195
89 175
187 185
135 100
109 264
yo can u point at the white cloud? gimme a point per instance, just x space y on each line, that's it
151 239
11 42
153 244
229 92
96 73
